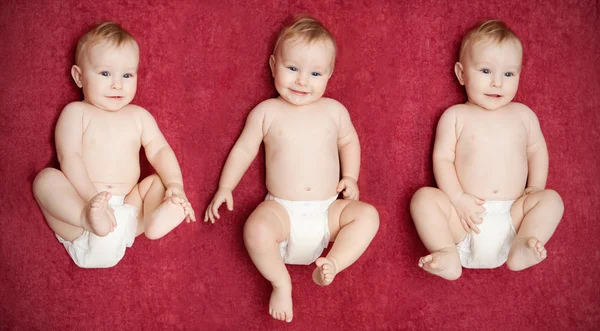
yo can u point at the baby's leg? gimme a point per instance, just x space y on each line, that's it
535 217
266 227
157 215
352 226
439 228
66 212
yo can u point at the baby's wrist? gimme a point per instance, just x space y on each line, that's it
174 185
225 188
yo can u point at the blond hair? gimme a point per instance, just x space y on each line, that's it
110 32
308 30
492 31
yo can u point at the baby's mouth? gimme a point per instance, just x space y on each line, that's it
298 92
495 96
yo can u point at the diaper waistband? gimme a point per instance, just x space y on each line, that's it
493 207
296 205
116 200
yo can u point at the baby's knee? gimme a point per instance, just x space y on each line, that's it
44 179
423 197
552 195
371 215
258 232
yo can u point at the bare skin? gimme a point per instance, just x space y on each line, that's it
493 153
98 143
306 137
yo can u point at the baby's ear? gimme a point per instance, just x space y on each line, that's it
76 73
458 70
272 64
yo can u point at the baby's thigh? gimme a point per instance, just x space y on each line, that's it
343 212
269 220
149 191
432 210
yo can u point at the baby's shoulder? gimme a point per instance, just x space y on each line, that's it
331 103
459 109
75 107
523 111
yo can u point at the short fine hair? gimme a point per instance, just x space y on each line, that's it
110 32
491 31
308 30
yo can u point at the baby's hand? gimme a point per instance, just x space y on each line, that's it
469 208
176 194
212 211
350 188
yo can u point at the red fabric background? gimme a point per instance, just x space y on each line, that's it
203 68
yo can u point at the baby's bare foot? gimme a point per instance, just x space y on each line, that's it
444 263
525 253
280 305
98 216
325 271
167 216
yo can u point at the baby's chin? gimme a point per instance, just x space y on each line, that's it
490 106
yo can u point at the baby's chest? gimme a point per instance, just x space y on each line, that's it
112 134
303 131
494 133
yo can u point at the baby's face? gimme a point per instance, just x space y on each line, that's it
491 73
302 70
109 75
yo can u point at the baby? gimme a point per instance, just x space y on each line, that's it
306 138
490 162
94 203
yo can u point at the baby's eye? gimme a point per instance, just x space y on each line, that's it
127 76
508 74
293 68
485 71
105 73
316 74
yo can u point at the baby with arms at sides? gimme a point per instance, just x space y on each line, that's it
94 203
306 138
490 162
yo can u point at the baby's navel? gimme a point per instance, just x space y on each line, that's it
307 189
494 191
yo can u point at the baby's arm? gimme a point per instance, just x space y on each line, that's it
241 156
163 159
158 152
537 155
444 154
349 149
69 149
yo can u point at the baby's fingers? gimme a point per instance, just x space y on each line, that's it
229 202
472 225
191 214
215 210
465 225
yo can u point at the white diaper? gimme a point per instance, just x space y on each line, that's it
91 251
309 229
489 249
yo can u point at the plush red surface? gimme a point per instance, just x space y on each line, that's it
203 68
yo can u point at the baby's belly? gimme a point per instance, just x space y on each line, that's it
118 189
118 179
495 180
302 180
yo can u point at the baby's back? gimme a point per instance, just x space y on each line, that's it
301 149
491 151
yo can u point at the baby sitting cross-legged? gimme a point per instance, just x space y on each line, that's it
94 203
